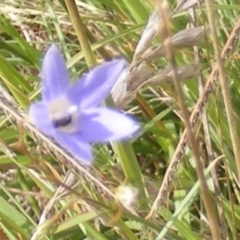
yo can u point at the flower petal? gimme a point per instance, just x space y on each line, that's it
94 87
73 144
103 124
55 79
39 116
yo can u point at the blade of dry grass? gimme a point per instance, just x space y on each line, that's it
194 118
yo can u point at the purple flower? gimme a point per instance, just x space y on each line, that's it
72 114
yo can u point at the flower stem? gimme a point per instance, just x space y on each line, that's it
81 32
129 165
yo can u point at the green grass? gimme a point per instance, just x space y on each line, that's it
45 194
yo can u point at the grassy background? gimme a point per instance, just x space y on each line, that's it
45 194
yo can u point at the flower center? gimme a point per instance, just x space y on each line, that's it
63 114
